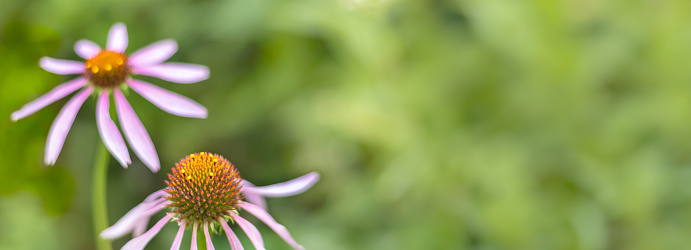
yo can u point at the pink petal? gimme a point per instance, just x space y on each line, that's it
266 218
178 237
132 219
141 241
61 67
250 230
194 237
140 226
117 38
176 72
109 132
232 238
126 223
168 101
288 188
209 244
86 49
62 124
57 93
251 197
136 133
156 195
153 54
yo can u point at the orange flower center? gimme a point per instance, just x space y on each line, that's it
203 187
107 69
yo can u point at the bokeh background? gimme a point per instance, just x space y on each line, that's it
436 124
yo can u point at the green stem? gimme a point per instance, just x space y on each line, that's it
98 197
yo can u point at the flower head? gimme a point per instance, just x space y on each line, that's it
203 187
108 71
205 190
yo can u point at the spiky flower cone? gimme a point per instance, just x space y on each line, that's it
203 187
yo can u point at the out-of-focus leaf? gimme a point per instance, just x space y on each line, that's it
22 81
25 225
56 187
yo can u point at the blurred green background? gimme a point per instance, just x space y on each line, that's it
468 124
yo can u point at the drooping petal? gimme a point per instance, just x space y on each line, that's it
117 38
209 244
140 226
143 222
288 188
176 72
168 101
86 49
251 197
109 132
125 224
155 195
57 93
153 54
178 237
232 238
136 133
141 241
266 218
194 237
250 230
61 67
132 218
62 124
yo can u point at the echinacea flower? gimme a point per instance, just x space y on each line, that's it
205 191
109 70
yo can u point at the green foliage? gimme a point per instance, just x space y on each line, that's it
468 124
56 187
20 152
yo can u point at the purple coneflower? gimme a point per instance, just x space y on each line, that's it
205 190
109 70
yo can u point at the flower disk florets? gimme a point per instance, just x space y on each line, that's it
203 187
107 69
